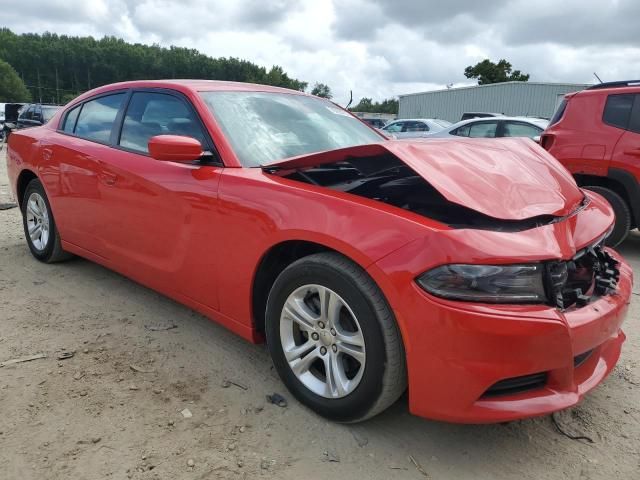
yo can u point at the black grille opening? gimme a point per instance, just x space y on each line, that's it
591 273
580 359
510 386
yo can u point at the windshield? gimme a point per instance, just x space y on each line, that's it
267 127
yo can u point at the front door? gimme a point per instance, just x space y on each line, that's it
160 215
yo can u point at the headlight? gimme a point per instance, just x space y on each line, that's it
486 283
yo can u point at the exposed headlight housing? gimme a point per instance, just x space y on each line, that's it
486 283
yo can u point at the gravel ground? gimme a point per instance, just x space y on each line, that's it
113 410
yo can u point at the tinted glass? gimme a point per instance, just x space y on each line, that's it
266 127
416 127
634 122
462 131
97 117
27 113
516 129
151 114
394 127
70 119
559 112
617 110
483 130
37 114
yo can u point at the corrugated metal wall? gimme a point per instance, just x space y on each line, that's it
510 98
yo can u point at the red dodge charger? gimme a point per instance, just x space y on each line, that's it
471 272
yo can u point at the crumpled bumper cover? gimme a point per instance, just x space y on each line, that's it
462 350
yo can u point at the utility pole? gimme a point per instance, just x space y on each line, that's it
39 86
57 89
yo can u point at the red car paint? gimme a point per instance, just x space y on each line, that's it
595 151
198 234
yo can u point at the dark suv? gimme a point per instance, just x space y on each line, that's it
595 133
35 114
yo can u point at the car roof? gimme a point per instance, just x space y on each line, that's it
415 120
187 85
534 120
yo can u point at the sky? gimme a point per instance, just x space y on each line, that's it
377 48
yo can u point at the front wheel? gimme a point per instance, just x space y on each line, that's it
622 212
333 338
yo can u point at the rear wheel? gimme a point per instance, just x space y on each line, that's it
334 340
623 214
40 226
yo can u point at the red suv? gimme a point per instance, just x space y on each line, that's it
595 133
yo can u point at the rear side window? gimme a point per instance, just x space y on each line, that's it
415 127
634 122
151 114
617 111
516 129
98 116
70 120
483 130
462 131
559 112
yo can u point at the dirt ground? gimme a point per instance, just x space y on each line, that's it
113 410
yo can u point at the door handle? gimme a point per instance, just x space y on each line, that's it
634 152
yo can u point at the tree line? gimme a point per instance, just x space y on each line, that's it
56 68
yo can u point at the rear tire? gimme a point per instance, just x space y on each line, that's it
40 226
351 349
623 214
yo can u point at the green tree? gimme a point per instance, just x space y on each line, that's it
365 104
321 90
55 67
488 72
12 88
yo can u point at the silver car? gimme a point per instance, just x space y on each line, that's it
414 127
496 127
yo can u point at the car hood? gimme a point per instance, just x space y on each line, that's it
509 179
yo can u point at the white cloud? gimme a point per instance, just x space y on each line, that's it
378 48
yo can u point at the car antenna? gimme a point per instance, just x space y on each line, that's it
350 99
596 75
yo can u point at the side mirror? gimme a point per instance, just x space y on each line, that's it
175 148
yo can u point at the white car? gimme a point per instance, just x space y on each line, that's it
496 127
414 127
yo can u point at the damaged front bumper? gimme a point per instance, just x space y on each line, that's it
481 363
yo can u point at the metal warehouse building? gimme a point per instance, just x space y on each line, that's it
532 99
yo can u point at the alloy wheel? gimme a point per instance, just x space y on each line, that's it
38 222
322 341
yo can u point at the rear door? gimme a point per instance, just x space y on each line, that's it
85 133
511 128
626 154
160 217
414 129
482 129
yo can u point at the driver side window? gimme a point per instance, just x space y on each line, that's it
150 114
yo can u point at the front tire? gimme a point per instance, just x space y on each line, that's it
40 226
334 340
623 215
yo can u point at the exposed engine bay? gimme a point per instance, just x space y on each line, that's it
387 179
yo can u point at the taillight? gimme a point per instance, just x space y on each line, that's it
546 140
